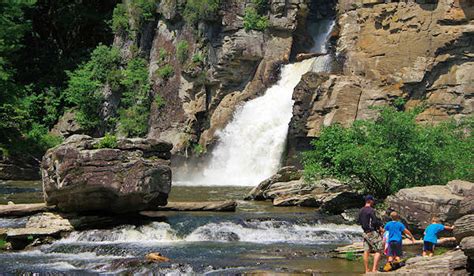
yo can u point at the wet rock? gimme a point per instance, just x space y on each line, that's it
132 177
419 204
23 209
208 206
19 238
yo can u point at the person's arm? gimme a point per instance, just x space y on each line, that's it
450 228
377 223
408 233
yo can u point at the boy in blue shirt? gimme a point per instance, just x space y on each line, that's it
431 236
395 230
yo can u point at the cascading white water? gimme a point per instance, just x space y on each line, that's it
251 145
266 232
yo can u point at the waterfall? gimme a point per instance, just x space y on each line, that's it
250 147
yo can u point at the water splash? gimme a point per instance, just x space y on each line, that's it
250 147
266 232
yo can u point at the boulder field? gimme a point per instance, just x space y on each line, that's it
134 175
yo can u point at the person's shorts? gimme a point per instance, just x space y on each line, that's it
395 249
428 246
373 242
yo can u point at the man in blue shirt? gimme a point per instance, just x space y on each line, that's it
395 230
431 236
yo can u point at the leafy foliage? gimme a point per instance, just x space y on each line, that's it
165 71
162 55
105 67
197 58
254 21
128 18
261 6
198 149
159 101
392 153
119 23
196 10
108 141
182 51
143 10
85 84
135 102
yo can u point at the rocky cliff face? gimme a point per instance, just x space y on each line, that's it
201 96
419 51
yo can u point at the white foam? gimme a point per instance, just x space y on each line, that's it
253 232
275 232
250 147
153 232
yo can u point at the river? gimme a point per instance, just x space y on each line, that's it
257 237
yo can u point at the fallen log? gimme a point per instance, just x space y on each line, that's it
207 206
358 247
303 56
20 210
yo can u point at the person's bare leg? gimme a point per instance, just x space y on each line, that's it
366 261
431 253
424 253
376 261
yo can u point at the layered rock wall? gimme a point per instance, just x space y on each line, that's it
420 51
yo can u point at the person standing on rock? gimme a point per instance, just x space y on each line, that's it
431 236
396 229
372 227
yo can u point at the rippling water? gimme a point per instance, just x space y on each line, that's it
258 237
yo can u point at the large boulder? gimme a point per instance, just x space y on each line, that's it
464 227
418 205
288 188
133 176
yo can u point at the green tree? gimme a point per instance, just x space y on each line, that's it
254 21
392 152
135 103
196 10
85 84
